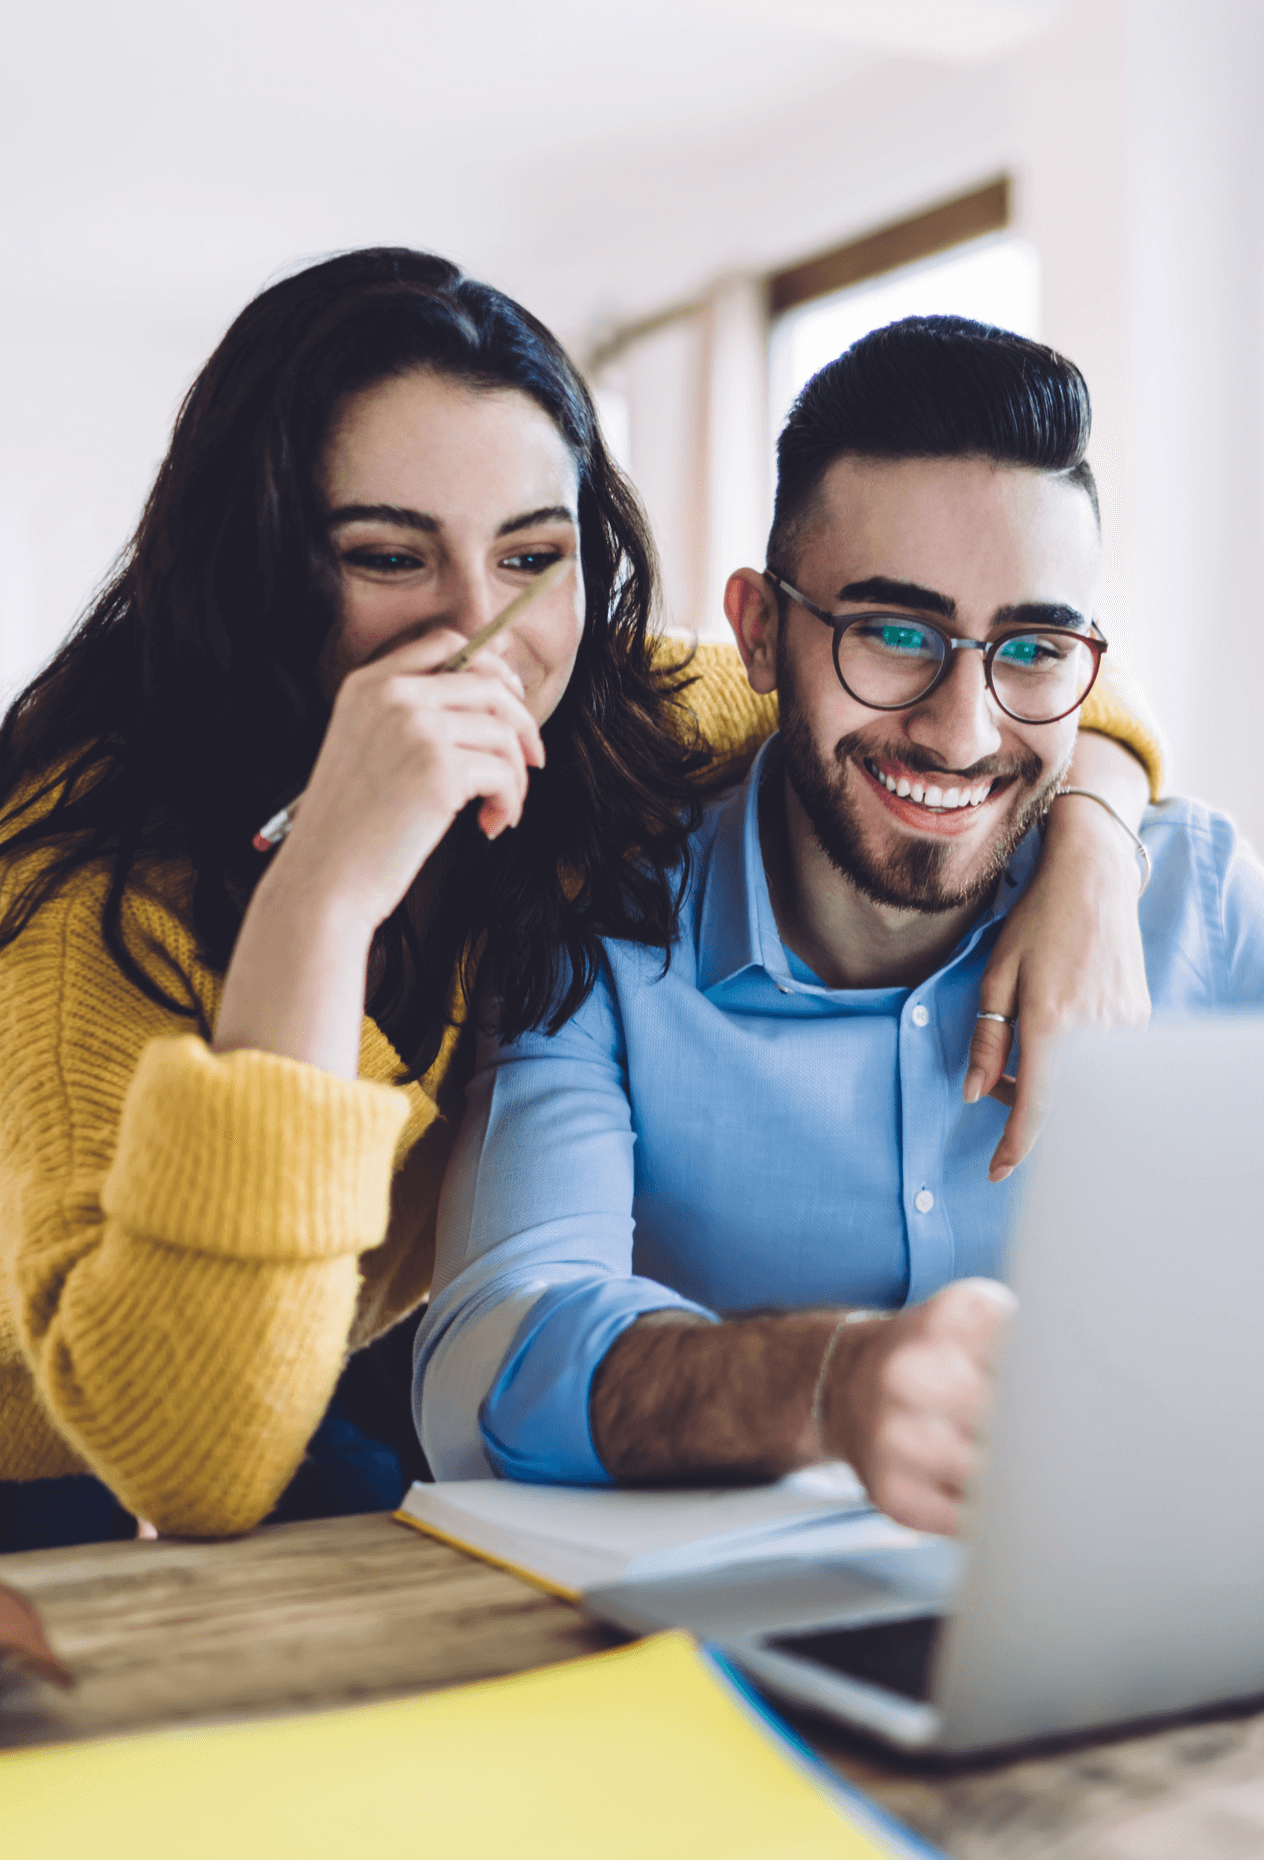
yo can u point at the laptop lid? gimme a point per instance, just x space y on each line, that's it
1117 1561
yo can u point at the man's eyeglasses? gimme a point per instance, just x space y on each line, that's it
889 661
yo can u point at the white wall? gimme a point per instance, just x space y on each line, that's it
88 404
1195 253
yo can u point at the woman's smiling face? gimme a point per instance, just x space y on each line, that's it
443 502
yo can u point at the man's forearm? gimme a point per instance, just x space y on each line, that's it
903 1397
683 1400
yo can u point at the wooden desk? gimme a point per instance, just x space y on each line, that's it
308 1615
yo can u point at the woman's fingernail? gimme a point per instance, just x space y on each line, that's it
999 1171
973 1088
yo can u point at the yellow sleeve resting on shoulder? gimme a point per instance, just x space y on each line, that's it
735 720
182 1234
1116 707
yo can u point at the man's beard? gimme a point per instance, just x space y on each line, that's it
913 874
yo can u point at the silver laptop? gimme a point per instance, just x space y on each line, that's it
1114 1566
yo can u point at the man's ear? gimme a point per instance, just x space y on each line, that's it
750 603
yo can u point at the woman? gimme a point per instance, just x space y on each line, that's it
212 1188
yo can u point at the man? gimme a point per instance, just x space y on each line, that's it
777 1123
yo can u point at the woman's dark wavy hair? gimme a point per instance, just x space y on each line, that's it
931 387
185 706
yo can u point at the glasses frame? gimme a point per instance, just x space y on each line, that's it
1095 640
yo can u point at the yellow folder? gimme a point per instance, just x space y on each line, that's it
646 1750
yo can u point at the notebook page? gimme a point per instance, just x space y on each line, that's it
584 1537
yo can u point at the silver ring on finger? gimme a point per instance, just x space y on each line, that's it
1003 1018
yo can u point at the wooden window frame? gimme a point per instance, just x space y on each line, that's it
967 216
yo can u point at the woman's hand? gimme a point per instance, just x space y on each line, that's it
406 749
1069 954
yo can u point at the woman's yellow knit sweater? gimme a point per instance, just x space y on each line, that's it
191 1244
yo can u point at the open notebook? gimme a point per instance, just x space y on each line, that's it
651 1752
572 1539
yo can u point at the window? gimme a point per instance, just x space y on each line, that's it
995 279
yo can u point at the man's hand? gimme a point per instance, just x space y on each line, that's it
905 1398
908 1397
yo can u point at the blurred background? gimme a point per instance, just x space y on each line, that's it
706 199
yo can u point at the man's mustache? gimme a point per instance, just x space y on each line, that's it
1025 769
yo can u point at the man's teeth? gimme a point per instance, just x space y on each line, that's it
932 796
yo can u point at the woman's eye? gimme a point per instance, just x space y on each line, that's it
531 561
382 561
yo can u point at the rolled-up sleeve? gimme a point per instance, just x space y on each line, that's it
534 1276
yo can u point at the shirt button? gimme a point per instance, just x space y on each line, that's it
923 1201
920 1015
783 990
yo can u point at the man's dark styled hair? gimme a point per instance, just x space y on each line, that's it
187 704
931 387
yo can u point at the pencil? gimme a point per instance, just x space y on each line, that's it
273 831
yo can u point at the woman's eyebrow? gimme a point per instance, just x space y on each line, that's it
417 520
548 513
383 513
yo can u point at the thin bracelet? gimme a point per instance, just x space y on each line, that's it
818 1392
1142 853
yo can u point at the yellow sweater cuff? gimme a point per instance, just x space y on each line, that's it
249 1156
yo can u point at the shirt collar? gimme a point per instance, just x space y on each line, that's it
737 928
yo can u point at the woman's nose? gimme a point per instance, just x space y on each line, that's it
471 598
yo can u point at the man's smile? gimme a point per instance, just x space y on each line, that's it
943 805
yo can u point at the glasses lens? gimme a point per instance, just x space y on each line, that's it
886 662
1039 676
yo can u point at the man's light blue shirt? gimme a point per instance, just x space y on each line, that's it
732 1136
